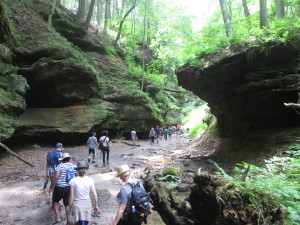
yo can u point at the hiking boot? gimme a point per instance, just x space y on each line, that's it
89 160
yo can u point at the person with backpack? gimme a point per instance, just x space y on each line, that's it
64 172
52 162
134 201
151 136
92 145
80 202
104 146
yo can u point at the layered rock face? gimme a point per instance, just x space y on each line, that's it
247 89
67 84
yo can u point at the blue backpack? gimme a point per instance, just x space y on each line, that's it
53 157
70 174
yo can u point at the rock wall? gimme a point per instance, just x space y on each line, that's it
68 83
246 89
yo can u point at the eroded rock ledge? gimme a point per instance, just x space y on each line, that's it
247 89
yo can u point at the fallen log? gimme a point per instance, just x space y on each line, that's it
214 200
127 143
14 154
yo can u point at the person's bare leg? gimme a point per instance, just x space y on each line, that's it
67 213
56 206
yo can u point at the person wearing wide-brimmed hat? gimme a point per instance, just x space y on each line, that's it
80 202
124 196
61 187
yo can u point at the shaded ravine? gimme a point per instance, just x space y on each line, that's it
22 200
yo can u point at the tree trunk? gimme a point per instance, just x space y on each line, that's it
226 18
51 14
14 154
263 14
90 14
107 14
121 24
246 9
144 39
81 10
279 8
98 16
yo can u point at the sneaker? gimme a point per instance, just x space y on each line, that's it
89 160
93 161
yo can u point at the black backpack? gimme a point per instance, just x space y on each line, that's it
140 200
101 146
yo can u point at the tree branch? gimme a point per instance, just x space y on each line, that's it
121 24
14 154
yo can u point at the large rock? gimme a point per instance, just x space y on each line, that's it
72 119
246 90
5 54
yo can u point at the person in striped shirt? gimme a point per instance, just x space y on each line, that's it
61 187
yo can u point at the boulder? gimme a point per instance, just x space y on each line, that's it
5 54
183 187
246 90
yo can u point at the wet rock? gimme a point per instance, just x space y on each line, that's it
183 187
5 54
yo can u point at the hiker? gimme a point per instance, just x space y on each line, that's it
61 186
166 133
52 162
157 133
133 137
104 146
125 215
161 130
170 130
92 145
151 136
79 201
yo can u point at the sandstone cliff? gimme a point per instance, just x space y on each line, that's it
67 81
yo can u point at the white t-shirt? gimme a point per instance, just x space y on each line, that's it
105 142
82 187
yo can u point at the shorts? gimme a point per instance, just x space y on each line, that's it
52 170
61 193
92 150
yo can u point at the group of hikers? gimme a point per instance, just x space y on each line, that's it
70 184
163 132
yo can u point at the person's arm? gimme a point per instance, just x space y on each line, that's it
120 212
47 172
95 198
56 177
71 197
107 144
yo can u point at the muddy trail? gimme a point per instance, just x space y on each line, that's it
23 201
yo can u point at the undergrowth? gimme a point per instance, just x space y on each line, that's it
279 177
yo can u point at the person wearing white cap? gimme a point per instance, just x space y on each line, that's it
61 186
124 196
80 202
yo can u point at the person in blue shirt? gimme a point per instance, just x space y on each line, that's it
61 187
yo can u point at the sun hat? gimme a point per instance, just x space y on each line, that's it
82 165
123 169
59 145
65 155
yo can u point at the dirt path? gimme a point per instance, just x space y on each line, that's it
22 200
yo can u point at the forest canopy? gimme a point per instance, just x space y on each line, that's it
177 35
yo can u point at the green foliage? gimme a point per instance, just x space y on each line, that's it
197 129
170 171
279 177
